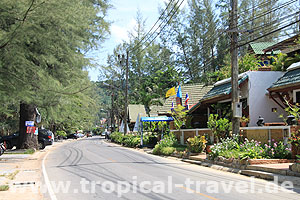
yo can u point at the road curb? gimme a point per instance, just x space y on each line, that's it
246 172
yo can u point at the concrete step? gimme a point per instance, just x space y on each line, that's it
198 158
259 174
267 169
272 177
192 161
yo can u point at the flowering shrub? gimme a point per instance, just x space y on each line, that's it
276 150
196 144
231 148
294 139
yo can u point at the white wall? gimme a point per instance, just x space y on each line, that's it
260 103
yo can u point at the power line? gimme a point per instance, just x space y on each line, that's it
155 23
162 27
268 12
274 31
283 20
251 8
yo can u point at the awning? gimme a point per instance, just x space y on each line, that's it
156 119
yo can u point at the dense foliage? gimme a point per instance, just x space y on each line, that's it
220 126
43 46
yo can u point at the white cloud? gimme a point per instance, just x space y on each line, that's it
119 33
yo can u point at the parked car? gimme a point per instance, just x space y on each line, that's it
103 133
10 140
89 134
106 134
45 138
72 136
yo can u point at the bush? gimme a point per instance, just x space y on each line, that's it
128 140
116 137
156 150
61 133
232 148
167 151
196 144
219 126
277 150
166 146
168 141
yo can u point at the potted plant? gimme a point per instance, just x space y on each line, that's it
208 143
244 121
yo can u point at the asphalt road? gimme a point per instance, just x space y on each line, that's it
93 169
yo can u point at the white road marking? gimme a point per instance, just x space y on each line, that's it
47 181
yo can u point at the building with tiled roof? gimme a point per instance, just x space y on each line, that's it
257 48
195 92
288 46
253 87
287 86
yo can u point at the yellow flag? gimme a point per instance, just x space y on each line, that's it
170 92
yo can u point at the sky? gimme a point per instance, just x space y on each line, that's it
123 15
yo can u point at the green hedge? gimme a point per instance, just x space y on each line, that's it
130 140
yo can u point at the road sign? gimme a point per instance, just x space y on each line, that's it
30 129
29 123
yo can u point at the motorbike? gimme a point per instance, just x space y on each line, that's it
2 148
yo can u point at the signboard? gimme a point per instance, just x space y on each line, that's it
30 129
29 123
36 131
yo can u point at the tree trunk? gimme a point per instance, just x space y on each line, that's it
26 140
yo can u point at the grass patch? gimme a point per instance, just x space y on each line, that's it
4 187
12 176
180 148
28 151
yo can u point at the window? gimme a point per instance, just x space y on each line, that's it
296 96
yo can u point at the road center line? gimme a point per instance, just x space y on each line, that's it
205 195
111 160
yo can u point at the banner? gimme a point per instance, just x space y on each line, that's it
170 92
30 129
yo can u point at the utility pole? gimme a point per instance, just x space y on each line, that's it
112 120
126 94
234 67
122 60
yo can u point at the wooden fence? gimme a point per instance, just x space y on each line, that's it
264 134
